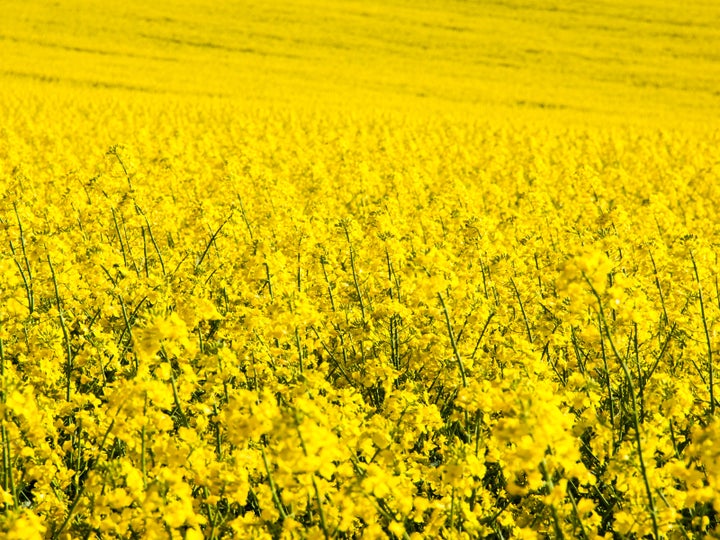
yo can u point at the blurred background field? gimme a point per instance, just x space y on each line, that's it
583 62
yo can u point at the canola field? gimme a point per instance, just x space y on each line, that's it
359 270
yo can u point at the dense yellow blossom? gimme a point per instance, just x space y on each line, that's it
359 271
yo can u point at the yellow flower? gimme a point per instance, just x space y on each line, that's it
26 524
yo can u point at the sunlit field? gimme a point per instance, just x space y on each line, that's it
359 270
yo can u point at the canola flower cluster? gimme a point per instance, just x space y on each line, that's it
257 324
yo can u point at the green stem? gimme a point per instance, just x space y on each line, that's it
636 422
323 262
76 500
551 486
522 310
213 237
583 533
143 463
659 288
176 399
29 282
8 480
268 281
711 374
117 231
66 336
609 383
299 349
152 238
452 341
145 255
354 274
273 487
